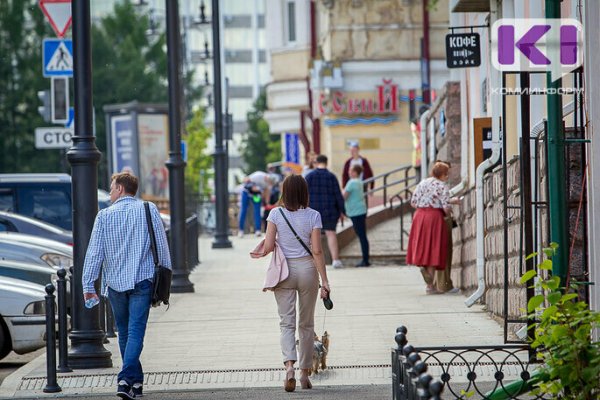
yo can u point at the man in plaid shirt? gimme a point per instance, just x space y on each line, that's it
326 198
121 241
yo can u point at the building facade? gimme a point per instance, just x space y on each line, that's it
346 71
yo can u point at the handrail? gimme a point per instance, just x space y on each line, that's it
385 184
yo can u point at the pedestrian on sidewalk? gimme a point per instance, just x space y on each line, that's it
357 159
428 239
356 209
120 240
326 197
256 189
443 280
297 230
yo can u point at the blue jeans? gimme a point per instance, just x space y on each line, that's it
359 223
246 199
131 309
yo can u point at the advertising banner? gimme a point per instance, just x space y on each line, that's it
123 145
153 152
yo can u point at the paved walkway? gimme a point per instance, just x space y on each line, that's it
226 334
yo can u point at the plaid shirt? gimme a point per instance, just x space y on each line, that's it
121 241
325 194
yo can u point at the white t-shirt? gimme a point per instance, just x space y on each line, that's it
258 178
303 221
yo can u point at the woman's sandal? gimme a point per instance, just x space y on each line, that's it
289 384
306 384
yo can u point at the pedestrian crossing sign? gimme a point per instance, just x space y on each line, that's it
57 57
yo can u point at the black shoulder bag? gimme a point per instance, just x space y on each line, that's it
327 300
162 275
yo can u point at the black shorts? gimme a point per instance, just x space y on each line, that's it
329 225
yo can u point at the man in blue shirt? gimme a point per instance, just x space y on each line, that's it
326 198
120 239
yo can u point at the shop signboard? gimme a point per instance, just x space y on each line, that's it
463 50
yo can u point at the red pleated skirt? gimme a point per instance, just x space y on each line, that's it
428 239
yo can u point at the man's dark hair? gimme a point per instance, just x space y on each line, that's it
294 193
321 159
127 180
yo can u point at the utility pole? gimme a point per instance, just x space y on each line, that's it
87 349
181 282
221 240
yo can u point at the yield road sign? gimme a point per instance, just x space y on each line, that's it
58 13
53 137
57 57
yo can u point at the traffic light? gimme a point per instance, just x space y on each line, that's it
60 100
45 109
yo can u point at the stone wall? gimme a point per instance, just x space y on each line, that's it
447 141
464 263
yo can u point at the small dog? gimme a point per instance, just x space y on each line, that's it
321 347
320 353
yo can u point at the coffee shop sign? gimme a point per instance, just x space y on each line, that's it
385 101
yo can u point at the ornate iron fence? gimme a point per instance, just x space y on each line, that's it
410 380
465 372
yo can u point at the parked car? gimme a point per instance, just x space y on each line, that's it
31 249
11 222
22 316
46 197
34 273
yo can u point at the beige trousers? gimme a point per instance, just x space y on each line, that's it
303 282
442 281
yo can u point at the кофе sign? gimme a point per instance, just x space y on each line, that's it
463 50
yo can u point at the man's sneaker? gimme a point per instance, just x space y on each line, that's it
258 233
124 391
240 233
337 264
363 264
137 390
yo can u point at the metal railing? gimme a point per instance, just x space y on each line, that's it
491 372
406 212
389 181
191 232
479 372
410 378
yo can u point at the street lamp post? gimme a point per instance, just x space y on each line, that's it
221 240
181 282
87 350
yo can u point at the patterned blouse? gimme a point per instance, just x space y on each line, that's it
431 193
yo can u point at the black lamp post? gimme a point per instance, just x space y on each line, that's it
181 282
221 240
87 350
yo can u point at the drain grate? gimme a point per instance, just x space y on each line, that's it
245 377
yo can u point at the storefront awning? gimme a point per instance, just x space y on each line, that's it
472 6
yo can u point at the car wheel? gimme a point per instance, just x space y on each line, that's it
5 344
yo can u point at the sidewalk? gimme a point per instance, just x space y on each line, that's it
226 334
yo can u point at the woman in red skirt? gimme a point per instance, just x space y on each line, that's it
428 240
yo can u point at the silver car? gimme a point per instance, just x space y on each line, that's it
22 316
32 249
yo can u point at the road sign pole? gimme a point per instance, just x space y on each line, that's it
87 349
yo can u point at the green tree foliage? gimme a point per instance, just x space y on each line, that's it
563 327
259 147
22 28
199 163
127 65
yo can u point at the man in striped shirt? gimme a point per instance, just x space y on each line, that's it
120 239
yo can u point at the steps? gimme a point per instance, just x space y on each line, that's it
384 241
